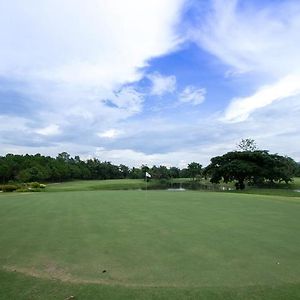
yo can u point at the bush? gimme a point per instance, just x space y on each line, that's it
34 185
9 188
23 190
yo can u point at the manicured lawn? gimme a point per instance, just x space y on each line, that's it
86 185
159 245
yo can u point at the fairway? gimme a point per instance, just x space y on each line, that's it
185 241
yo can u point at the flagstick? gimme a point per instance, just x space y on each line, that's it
147 175
146 184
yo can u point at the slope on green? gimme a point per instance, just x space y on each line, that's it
155 243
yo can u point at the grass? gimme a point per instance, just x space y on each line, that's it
87 185
282 189
112 184
20 287
159 245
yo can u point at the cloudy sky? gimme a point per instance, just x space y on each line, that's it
152 81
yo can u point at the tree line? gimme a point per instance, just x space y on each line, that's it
246 165
30 168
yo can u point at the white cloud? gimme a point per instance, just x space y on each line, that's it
137 158
52 129
15 124
110 134
73 63
128 99
92 43
72 56
192 95
261 41
248 38
240 108
276 127
162 84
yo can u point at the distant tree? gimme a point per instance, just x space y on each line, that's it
64 156
4 172
136 173
37 173
163 172
174 172
184 173
124 171
253 166
194 170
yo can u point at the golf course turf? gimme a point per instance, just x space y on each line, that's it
149 245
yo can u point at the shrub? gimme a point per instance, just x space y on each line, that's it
34 185
23 190
9 188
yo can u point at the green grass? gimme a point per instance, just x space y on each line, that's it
159 245
86 185
296 183
112 184
135 184
282 189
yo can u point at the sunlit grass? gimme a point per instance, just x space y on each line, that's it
166 245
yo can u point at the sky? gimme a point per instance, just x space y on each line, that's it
156 82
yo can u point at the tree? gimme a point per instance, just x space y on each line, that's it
145 169
64 156
4 172
124 171
194 169
298 169
136 173
247 145
174 172
253 166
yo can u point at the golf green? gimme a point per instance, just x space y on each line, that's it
154 239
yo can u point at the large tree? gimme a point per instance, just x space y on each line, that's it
252 166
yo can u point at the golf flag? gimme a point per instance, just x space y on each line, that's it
148 175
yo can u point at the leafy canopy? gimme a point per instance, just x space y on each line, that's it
254 166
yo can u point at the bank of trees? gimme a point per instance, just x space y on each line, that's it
29 168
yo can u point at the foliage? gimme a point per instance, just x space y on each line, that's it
298 169
9 188
254 166
247 145
194 170
34 185
39 168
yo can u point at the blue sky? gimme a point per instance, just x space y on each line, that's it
155 82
